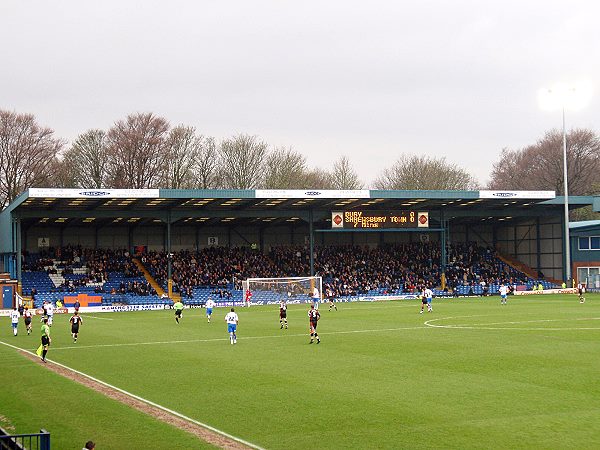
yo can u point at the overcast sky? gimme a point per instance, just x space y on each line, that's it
368 79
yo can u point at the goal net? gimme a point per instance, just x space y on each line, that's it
293 289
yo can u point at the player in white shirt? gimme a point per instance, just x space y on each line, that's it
50 313
14 318
210 304
232 320
316 297
503 294
426 297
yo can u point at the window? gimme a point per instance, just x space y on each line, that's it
588 275
589 243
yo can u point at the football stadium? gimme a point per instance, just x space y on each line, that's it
446 319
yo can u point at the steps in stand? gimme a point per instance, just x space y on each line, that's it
150 279
522 267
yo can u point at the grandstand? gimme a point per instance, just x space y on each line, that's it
138 247
197 281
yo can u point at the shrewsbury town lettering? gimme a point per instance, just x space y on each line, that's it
378 219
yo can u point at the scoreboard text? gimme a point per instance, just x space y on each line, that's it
379 219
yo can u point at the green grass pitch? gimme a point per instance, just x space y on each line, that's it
472 374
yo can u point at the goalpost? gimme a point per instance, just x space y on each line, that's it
20 300
292 289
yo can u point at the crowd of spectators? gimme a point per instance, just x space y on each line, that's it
134 287
222 293
470 265
35 263
346 270
213 267
99 265
99 262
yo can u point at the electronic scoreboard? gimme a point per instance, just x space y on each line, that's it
379 219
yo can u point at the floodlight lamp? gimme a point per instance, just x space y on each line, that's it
571 97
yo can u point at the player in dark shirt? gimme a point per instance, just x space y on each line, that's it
27 318
331 297
75 321
313 318
580 291
283 314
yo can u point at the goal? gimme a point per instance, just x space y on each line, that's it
27 302
293 289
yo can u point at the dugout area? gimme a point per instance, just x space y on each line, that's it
526 227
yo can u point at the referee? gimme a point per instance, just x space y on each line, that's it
178 310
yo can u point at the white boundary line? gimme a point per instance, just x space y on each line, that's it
149 402
525 321
95 317
483 326
274 336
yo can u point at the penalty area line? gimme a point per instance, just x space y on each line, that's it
142 399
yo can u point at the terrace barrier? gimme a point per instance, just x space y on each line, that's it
33 441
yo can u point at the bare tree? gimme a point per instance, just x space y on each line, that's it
317 178
183 149
206 166
137 151
504 173
343 176
64 174
423 173
27 154
540 166
284 169
588 213
242 161
87 160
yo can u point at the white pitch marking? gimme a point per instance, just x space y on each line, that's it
149 402
275 336
517 328
95 317
430 323
523 321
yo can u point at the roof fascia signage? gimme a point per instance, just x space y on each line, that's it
505 195
312 193
93 193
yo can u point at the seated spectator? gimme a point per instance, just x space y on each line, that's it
346 270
